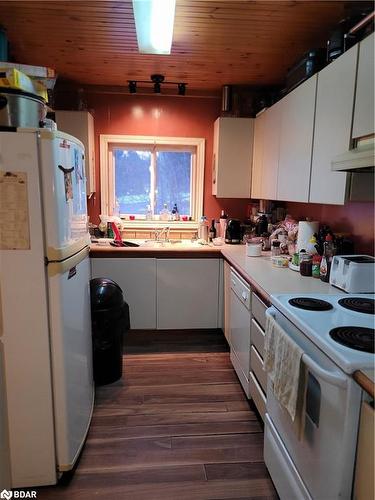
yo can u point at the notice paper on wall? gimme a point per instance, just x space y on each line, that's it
14 211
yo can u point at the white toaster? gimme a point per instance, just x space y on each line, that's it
353 273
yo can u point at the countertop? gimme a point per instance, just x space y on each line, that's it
186 250
268 280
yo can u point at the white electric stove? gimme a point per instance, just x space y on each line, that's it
325 314
336 341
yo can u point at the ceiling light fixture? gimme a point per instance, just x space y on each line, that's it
157 80
154 21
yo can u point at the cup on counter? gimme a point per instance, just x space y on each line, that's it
254 247
131 217
184 217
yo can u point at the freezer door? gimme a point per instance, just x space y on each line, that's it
64 194
71 347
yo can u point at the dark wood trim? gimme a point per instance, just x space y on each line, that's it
120 253
366 383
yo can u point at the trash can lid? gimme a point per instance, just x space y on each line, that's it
105 294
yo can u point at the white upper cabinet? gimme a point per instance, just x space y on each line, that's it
270 161
232 157
296 138
266 153
80 124
333 124
363 122
256 175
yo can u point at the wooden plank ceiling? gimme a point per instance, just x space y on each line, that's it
214 43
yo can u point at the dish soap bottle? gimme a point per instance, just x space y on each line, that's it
164 212
328 253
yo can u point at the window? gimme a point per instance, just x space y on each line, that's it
142 173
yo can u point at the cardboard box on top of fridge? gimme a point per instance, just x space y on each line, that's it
44 75
15 79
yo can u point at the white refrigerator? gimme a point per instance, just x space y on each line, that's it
45 325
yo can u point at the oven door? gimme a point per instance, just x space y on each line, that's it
319 465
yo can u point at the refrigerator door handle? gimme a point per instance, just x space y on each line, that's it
62 267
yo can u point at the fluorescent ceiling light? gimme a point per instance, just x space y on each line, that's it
154 24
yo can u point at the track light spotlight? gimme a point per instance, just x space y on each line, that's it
181 88
132 86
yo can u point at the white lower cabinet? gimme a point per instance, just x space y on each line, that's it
166 293
187 293
137 278
246 320
240 329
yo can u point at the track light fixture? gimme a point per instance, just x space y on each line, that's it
132 86
157 80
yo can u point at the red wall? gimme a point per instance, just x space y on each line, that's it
194 117
161 116
354 218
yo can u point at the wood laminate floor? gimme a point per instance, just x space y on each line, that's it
177 426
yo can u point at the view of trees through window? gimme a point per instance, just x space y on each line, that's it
152 177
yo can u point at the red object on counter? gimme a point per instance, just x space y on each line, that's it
116 232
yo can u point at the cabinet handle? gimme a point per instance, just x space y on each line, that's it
233 283
244 295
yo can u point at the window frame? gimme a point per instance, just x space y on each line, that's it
108 142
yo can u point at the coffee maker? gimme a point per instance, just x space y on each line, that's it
233 233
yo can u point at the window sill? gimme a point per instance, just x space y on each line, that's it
152 224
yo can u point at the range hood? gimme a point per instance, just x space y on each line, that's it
358 159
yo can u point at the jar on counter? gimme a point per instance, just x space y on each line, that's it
275 248
316 260
305 265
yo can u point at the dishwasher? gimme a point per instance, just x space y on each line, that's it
240 318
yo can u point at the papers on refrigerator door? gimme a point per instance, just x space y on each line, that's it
14 211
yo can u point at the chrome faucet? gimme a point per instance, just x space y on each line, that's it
162 235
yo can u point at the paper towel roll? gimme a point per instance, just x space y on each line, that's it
305 230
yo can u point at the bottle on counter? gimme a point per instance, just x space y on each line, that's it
203 229
316 260
275 248
223 223
218 228
305 265
212 231
328 253
149 214
175 212
164 212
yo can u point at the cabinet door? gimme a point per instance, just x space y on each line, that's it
80 124
363 122
137 279
270 157
296 137
240 333
332 132
187 293
256 174
233 157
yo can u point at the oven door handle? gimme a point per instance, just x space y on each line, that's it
332 378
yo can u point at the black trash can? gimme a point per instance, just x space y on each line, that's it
110 320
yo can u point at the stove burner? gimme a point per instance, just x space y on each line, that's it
355 337
310 304
358 304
